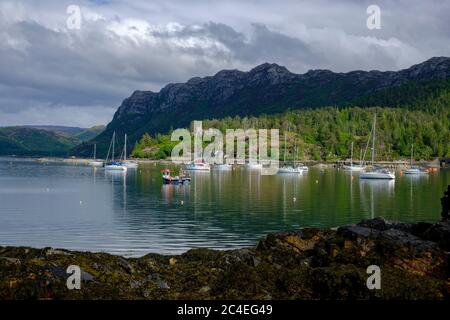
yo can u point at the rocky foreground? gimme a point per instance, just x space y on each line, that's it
307 264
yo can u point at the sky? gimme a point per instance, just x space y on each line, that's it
60 70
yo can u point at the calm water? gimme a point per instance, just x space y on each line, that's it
76 207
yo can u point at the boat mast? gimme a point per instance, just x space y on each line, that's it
125 149
296 154
285 145
113 142
351 157
95 151
412 152
373 139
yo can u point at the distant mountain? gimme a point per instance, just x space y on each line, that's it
43 140
83 134
89 133
269 88
71 131
25 141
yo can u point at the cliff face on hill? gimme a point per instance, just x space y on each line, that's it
304 264
268 88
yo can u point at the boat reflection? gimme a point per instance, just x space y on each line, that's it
376 189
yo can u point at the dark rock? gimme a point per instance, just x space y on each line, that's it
9 260
440 233
86 276
125 265
159 282
304 264
382 224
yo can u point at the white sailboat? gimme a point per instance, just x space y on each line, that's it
375 173
114 165
354 167
127 163
222 166
198 166
254 165
298 169
94 162
414 169
285 168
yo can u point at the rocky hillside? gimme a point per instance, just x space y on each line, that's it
270 88
304 264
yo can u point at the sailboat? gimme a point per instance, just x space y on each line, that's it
299 167
285 168
94 162
125 162
414 169
292 169
376 173
222 166
114 165
198 166
353 167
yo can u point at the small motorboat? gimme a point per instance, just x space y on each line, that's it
180 179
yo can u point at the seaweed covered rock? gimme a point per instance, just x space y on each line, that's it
305 264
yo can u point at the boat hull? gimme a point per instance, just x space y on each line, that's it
115 168
290 170
222 167
130 165
96 163
415 172
354 168
196 168
254 166
377 175
176 181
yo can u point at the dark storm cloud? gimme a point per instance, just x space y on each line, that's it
49 74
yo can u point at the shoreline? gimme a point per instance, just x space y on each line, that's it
313 163
309 263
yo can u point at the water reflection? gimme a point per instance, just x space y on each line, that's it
134 213
378 190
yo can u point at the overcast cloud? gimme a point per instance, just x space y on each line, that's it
50 74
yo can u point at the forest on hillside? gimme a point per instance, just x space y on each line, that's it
327 133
